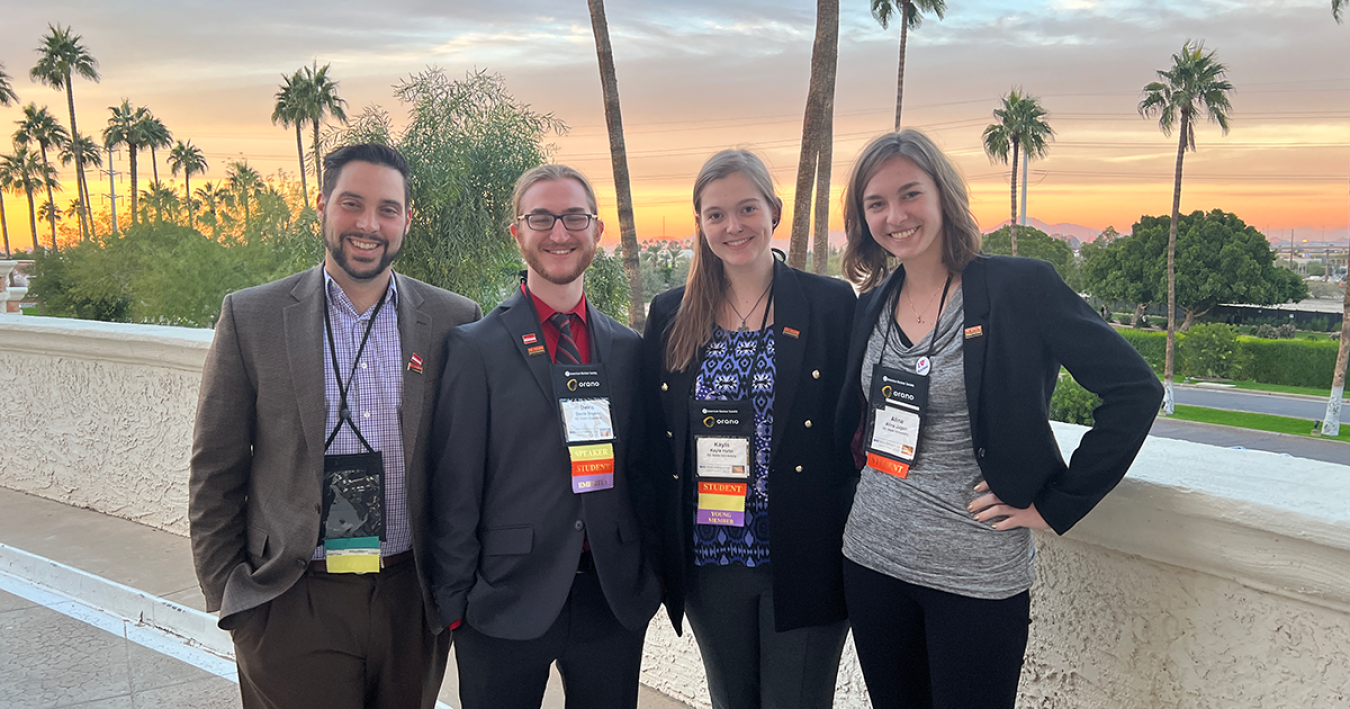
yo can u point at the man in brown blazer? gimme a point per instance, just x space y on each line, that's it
308 492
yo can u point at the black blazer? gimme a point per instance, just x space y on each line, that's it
506 528
811 477
1022 323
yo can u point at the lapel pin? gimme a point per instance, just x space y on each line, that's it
974 331
415 363
536 350
793 333
529 338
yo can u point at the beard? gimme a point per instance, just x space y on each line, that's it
334 244
562 278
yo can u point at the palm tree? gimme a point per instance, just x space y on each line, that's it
39 126
5 186
155 135
212 199
125 128
912 13
161 198
1021 127
618 156
1195 84
245 183
50 212
1331 422
61 58
23 170
289 111
188 158
318 97
86 151
817 134
7 95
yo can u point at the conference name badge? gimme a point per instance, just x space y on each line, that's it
721 503
592 467
898 403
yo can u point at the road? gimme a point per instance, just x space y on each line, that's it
1299 407
1230 437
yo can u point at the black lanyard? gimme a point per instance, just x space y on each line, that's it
932 341
344 413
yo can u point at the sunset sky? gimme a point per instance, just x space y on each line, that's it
697 76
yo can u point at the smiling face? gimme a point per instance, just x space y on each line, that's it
737 220
557 255
903 211
364 220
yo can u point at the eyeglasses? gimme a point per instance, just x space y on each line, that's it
543 221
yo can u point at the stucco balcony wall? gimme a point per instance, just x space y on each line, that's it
1209 578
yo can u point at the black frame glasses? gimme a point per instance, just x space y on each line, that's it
544 221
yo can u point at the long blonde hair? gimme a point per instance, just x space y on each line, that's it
705 289
865 262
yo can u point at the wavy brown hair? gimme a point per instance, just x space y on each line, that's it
865 263
705 289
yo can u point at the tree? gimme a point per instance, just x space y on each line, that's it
7 95
618 154
154 135
318 98
1331 422
244 183
212 199
39 126
83 149
466 143
1032 243
61 58
1218 259
126 127
161 198
1195 83
189 159
1021 127
289 110
911 12
817 138
24 170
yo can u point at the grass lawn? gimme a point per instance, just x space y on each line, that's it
1281 389
1256 422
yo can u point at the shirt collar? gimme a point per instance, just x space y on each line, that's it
545 312
336 294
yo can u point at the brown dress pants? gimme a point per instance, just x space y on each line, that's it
342 640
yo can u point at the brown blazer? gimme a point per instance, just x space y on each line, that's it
257 451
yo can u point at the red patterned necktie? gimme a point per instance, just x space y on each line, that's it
566 351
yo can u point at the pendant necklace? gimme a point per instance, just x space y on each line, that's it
743 327
910 296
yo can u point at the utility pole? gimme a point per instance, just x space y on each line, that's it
112 189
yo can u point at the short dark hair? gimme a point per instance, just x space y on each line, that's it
374 153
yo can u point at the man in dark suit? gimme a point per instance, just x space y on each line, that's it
307 461
538 486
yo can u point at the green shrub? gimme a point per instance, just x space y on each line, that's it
1071 402
1211 350
1152 345
1290 362
1266 331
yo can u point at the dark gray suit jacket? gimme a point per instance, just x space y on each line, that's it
257 452
507 529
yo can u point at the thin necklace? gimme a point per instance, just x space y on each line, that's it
917 315
731 302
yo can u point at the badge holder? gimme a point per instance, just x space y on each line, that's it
587 424
723 459
353 484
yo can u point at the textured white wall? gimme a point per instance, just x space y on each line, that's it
1209 578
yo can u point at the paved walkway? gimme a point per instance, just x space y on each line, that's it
71 633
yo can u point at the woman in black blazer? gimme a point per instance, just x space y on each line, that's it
757 491
952 362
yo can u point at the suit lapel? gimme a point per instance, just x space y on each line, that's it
792 315
975 291
414 327
601 334
304 352
522 324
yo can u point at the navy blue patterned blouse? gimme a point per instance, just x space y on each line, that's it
724 375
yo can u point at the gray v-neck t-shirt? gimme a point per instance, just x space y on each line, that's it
917 529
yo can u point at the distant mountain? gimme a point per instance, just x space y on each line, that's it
1062 230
